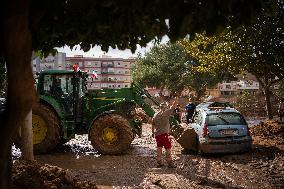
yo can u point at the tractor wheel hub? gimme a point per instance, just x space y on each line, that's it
110 135
39 129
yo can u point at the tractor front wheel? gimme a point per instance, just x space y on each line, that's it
111 134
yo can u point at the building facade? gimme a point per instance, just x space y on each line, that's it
110 72
104 72
56 62
237 87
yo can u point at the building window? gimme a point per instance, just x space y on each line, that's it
126 86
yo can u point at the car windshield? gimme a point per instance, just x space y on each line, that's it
225 119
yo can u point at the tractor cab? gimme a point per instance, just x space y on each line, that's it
63 89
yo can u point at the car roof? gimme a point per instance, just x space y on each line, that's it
216 107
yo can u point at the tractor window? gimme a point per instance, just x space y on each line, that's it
57 85
81 87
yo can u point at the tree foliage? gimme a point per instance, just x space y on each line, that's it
281 89
212 52
256 48
126 23
164 66
259 48
169 66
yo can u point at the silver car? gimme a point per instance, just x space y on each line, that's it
220 129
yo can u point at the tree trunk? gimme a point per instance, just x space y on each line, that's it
268 102
21 92
200 93
27 138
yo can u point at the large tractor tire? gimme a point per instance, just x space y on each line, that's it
111 134
46 129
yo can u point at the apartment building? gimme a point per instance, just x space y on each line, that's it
237 87
109 72
51 62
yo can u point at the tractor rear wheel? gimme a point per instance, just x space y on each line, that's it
111 134
46 129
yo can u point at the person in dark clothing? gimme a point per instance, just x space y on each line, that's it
190 109
177 113
56 89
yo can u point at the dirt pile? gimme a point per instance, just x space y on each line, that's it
139 114
269 128
254 105
33 175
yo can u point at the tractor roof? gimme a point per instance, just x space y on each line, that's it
56 72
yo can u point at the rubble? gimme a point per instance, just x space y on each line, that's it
33 175
268 128
140 115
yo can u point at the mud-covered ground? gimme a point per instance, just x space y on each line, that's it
78 165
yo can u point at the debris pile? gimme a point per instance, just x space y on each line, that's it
33 175
80 145
246 102
139 114
269 128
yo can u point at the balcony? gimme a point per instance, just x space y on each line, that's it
107 65
107 72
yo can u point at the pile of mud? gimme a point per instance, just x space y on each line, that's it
140 115
269 128
33 175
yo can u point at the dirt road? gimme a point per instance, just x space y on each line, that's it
263 167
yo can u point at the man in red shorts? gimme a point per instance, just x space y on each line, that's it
161 130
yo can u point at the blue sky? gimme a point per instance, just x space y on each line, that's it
115 53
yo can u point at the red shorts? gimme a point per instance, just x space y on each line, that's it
163 140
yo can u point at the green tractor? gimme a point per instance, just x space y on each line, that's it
66 108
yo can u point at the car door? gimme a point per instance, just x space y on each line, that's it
197 121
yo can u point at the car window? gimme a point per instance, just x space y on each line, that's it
225 119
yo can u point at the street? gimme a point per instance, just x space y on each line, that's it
263 167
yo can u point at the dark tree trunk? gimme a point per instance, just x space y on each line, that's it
21 92
266 83
200 93
27 138
268 102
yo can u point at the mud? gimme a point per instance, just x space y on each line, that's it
262 167
269 129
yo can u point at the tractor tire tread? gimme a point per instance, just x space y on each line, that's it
125 134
